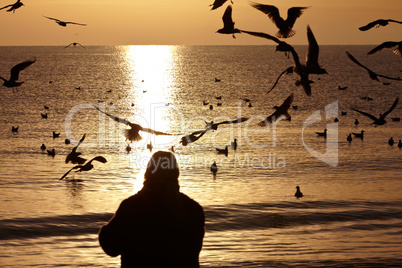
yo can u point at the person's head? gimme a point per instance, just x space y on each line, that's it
162 170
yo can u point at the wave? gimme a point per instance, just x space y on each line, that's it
254 216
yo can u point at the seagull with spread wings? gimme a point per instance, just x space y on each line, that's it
218 3
280 111
132 134
64 23
13 7
74 44
378 23
228 24
381 119
88 166
389 44
74 156
15 72
284 26
373 75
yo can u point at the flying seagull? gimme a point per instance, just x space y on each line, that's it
381 119
13 7
214 126
282 110
218 3
389 44
74 44
88 166
193 137
132 134
284 26
15 71
74 156
378 23
373 75
228 24
64 23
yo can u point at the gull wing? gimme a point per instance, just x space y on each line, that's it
15 71
389 44
293 14
313 49
271 11
6 7
80 141
217 3
288 70
70 22
227 18
390 109
263 35
368 26
372 74
239 120
51 18
97 158
154 131
115 118
366 114
65 175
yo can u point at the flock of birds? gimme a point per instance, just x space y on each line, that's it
303 70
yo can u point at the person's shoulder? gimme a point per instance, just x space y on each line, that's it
190 201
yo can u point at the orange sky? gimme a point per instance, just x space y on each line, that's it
190 22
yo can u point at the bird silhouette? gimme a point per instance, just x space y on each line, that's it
64 23
51 152
223 151
205 103
56 135
284 26
322 134
359 135
218 3
391 141
14 129
132 134
43 147
228 24
214 168
13 7
234 144
378 23
381 119
298 194
193 137
74 156
280 111
373 75
88 166
214 126
389 44
400 144
349 138
74 44
15 72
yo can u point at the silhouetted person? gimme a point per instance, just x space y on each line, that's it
159 226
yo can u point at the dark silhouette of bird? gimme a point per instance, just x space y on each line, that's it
88 166
211 107
46 107
396 119
214 168
298 194
51 152
56 135
381 119
391 141
67 141
228 24
214 126
218 3
389 44
342 88
15 72
74 44
132 134
43 116
74 156
64 23
193 137
282 45
378 23
218 98
128 148
234 144
284 26
280 111
43 147
205 103
223 151
359 135
217 80
14 129
349 138
322 134
13 7
400 144
356 122
150 146
373 75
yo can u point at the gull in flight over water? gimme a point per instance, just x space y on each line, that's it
381 119
389 44
282 110
218 3
74 156
132 134
88 166
284 26
228 24
373 75
13 7
378 23
74 44
64 23
15 71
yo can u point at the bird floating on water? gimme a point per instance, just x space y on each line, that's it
223 151
51 152
43 147
64 23
15 71
228 24
322 134
381 119
56 135
378 23
14 129
391 141
284 26
214 168
88 166
298 194
349 138
280 111
132 134
390 44
359 135
13 7
234 144
373 75
74 156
